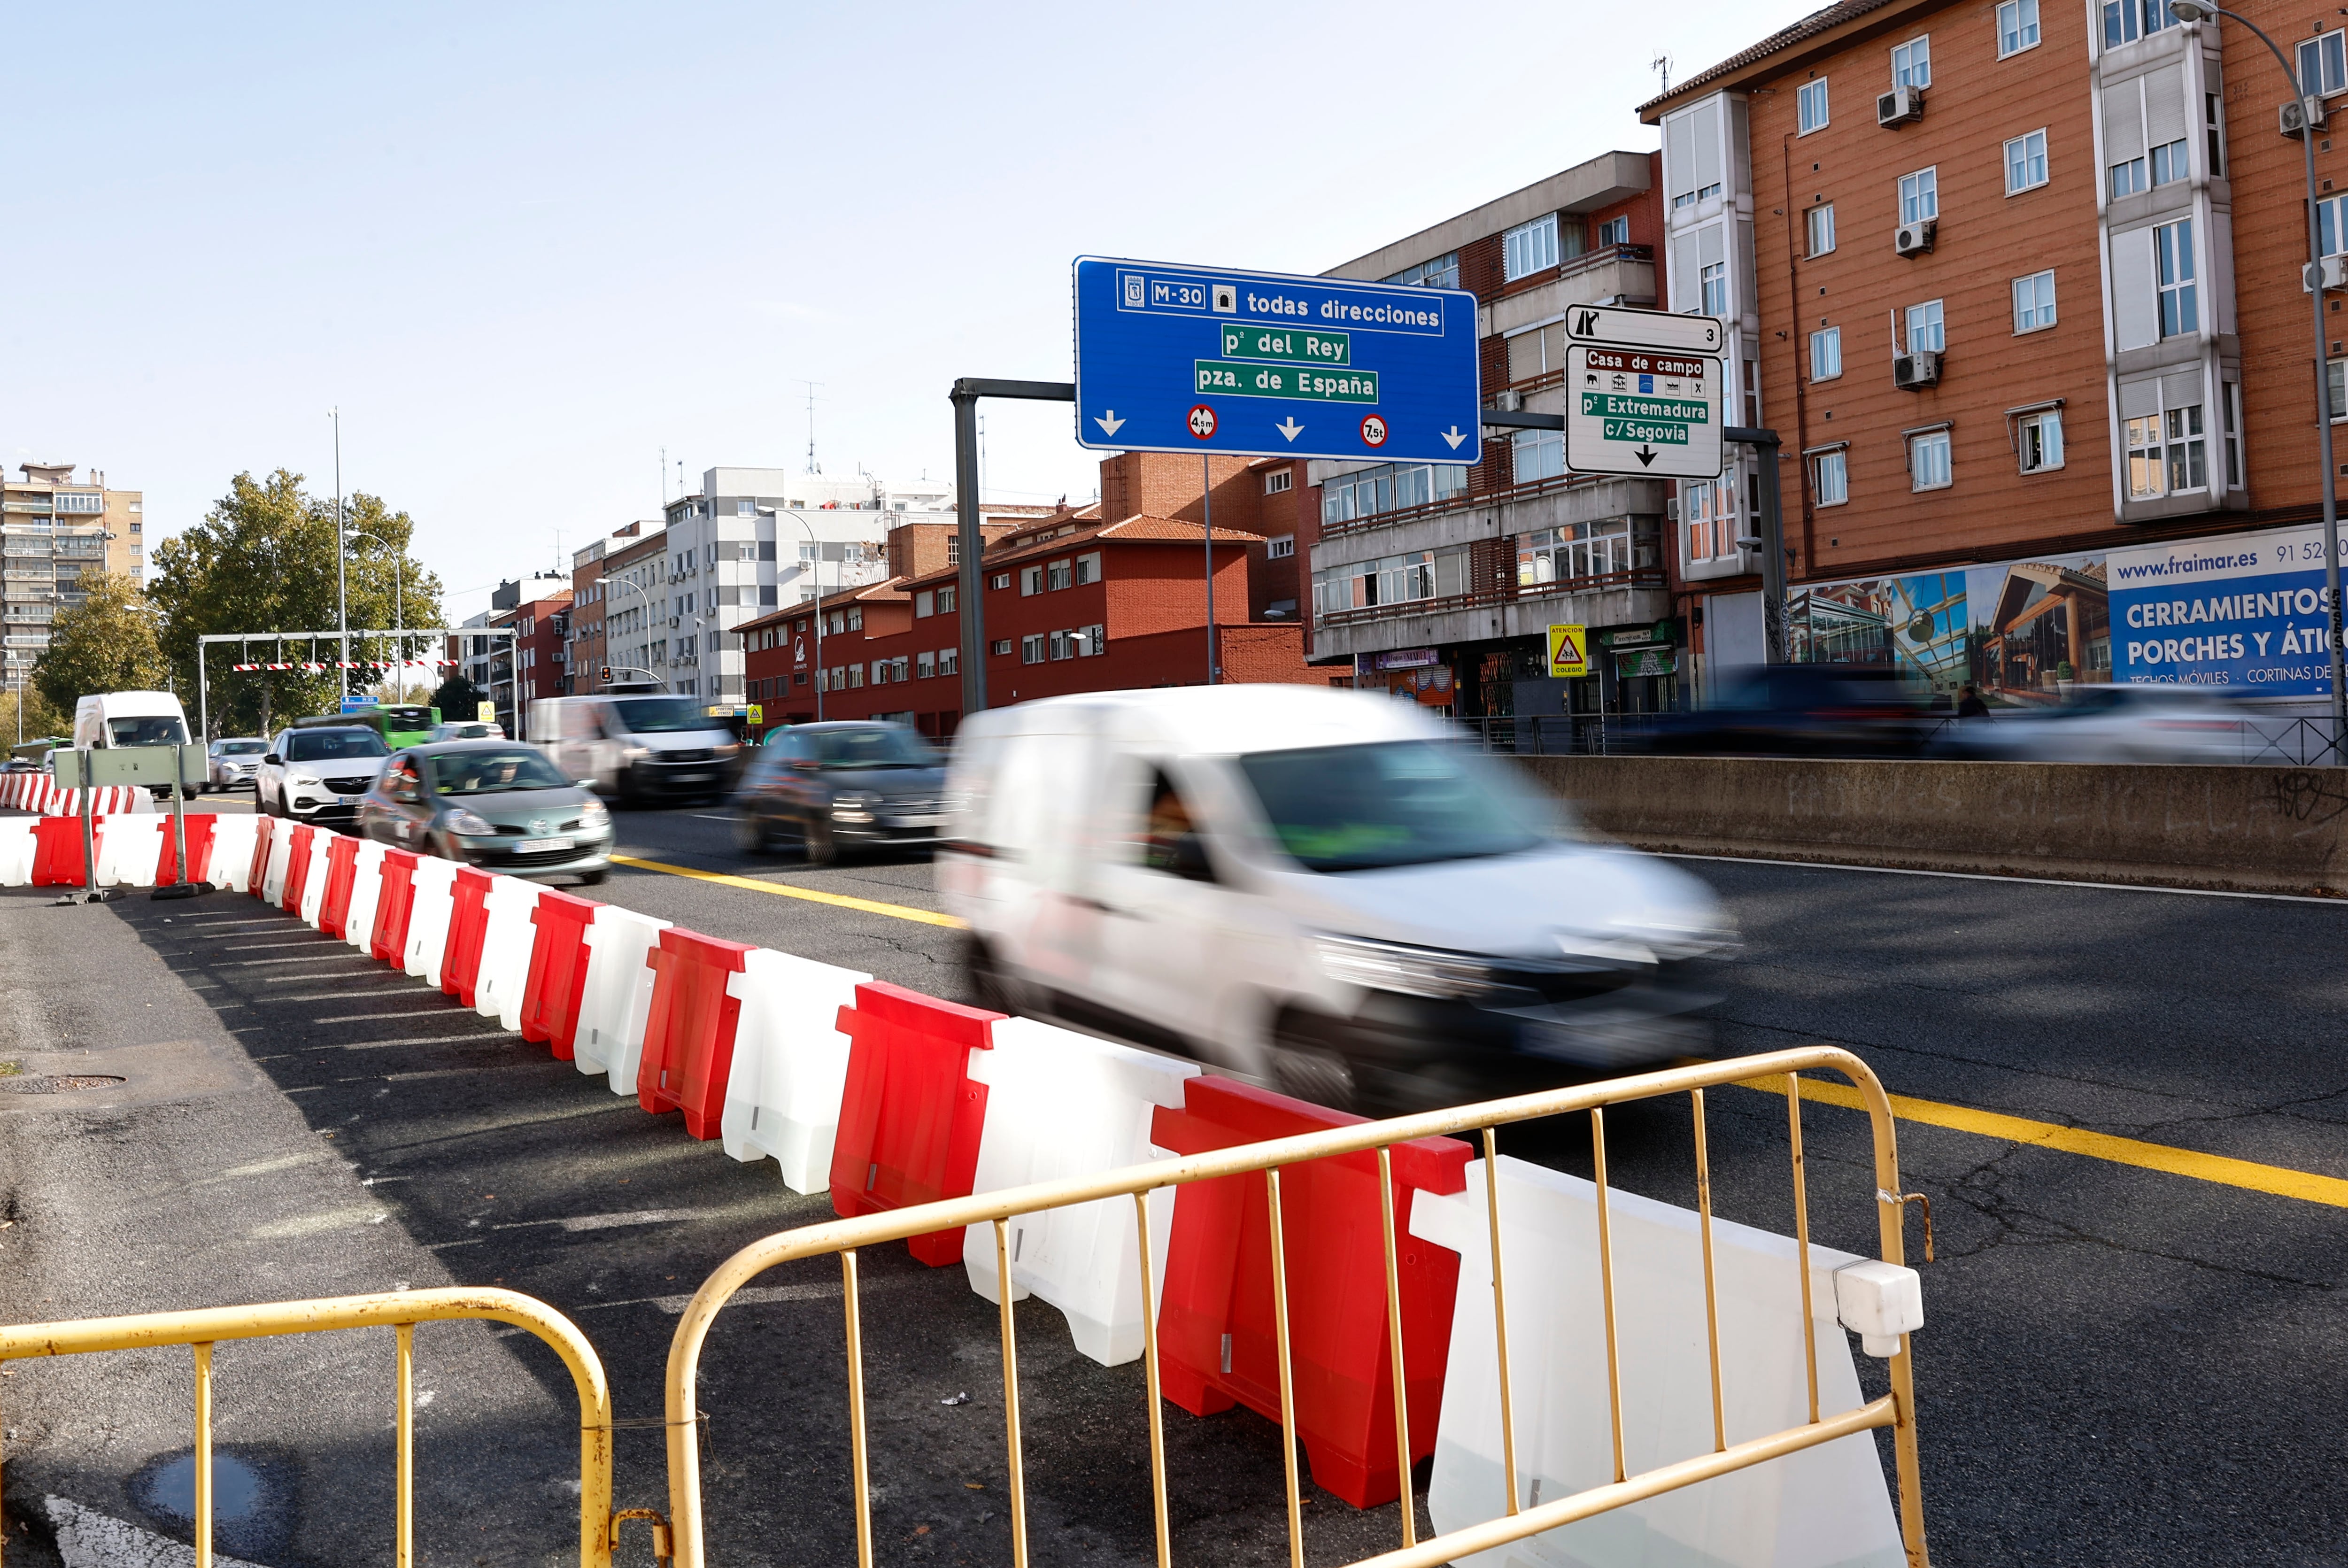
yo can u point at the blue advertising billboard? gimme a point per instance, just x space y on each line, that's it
2249 614
1177 358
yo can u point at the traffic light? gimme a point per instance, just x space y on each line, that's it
607 674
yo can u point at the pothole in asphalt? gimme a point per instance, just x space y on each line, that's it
54 1083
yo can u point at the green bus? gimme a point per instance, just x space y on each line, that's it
401 725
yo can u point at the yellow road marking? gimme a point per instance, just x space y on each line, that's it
2275 1179
781 890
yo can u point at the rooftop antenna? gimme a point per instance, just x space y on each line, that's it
1662 66
664 477
813 467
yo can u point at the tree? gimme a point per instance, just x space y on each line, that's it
458 697
106 643
262 561
39 718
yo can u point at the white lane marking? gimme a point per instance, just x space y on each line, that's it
632 1217
1987 876
266 1167
759 1295
344 956
89 1539
437 1004
318 1225
494 1036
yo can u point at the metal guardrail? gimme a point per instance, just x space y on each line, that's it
845 1238
401 1311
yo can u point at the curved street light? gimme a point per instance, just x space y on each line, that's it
398 608
2191 12
816 564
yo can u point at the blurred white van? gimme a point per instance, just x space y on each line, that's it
129 718
1322 890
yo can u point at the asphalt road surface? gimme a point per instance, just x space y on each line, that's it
2122 1364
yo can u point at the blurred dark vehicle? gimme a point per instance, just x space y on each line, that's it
2104 724
824 788
1803 710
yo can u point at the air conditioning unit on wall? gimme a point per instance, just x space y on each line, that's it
2331 275
1899 105
1916 239
1914 372
2297 116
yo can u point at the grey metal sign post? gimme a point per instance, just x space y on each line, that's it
965 395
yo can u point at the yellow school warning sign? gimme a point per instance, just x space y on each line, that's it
1569 651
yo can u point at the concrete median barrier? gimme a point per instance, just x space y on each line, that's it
2249 830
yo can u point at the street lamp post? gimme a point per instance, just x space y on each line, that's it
398 608
2189 12
647 598
342 585
816 564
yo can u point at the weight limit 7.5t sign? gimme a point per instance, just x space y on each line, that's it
1641 411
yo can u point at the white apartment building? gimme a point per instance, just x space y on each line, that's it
752 540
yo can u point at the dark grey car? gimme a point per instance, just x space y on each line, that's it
497 804
848 784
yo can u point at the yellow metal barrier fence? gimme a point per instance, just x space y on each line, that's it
1895 1409
400 1312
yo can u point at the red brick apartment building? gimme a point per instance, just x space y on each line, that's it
2023 280
1073 604
1441 581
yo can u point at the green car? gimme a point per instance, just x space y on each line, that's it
497 804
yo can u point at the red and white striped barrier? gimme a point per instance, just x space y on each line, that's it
891 1098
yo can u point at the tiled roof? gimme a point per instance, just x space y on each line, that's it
1139 528
1810 27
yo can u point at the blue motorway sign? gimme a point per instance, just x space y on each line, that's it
1185 360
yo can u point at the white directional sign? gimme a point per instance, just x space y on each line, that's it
1614 327
1641 411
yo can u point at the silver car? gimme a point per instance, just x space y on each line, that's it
2119 723
495 804
230 764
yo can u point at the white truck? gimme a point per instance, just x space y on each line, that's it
120 718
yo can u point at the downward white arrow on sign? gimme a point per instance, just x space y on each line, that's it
1454 435
1290 427
1109 423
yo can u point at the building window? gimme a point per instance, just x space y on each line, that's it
2125 21
1000 580
1031 581
1811 106
1529 248
1830 478
2172 246
1928 460
2017 27
1613 232
2033 301
1059 574
1063 645
946 597
999 645
1088 568
1277 482
1822 230
1920 195
1713 280
1825 353
2323 65
2213 116
1279 547
1091 641
950 660
2128 177
1369 491
2025 162
856 617
2168 161
1912 63
1442 272
2188 459
1926 329
1539 454
2039 438
1031 650
1707 508
925 604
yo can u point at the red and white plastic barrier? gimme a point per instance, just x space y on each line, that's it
790 1064
889 1098
1064 1104
16 845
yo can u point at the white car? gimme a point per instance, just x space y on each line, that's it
230 764
468 729
2119 723
318 772
1319 891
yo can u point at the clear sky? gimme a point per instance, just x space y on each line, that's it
525 247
